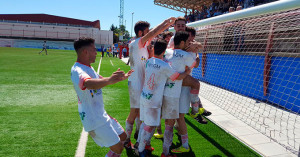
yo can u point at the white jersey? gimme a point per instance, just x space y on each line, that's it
90 102
156 74
171 43
138 54
194 55
178 59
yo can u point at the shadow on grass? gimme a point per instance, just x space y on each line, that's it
178 144
211 140
131 153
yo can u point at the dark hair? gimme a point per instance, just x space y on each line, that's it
191 30
140 26
160 46
180 18
83 41
165 34
180 36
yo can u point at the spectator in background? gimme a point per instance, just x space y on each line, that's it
239 7
124 50
248 3
231 9
167 36
102 50
226 6
115 52
107 52
44 48
217 12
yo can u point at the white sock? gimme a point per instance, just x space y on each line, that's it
185 141
140 132
168 138
129 127
146 137
112 154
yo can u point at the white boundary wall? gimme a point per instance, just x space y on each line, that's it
28 30
21 43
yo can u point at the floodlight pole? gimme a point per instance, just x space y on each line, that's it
131 23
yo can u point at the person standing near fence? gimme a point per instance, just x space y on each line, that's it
44 48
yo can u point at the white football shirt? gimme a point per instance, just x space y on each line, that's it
171 43
138 54
90 102
156 74
178 59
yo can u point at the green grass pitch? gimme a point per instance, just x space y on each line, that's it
38 109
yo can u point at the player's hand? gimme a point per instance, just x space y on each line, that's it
171 20
197 60
188 70
194 47
128 73
117 76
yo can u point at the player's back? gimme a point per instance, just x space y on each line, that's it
178 59
156 74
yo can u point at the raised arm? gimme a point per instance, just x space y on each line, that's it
158 29
194 47
197 61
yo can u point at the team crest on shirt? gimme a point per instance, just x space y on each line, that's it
143 58
170 85
148 96
82 115
95 91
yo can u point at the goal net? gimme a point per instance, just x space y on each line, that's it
251 68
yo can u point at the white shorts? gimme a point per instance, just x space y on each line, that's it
134 96
170 108
185 99
152 116
108 134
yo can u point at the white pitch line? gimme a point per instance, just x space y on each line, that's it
111 63
80 151
98 71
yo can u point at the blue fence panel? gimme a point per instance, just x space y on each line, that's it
243 74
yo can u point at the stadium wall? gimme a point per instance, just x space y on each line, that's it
25 43
56 32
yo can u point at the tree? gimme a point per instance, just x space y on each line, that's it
117 31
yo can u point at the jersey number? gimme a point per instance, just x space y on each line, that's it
151 81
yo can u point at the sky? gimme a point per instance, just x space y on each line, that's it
107 11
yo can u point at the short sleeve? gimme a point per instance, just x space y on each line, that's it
78 78
171 43
190 61
141 45
171 73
